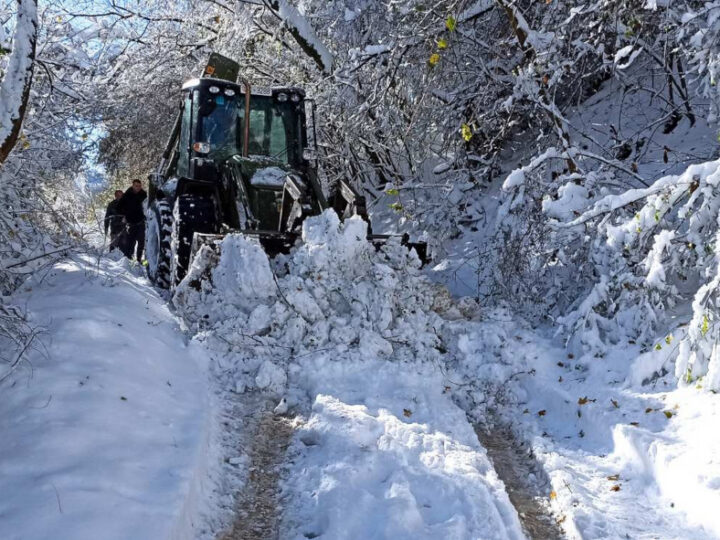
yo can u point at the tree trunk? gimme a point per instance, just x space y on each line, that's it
15 86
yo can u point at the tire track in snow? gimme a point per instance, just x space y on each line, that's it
258 509
524 479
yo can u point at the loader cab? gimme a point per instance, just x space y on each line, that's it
213 129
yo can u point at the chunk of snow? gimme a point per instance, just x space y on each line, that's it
571 199
514 179
297 21
273 177
271 377
626 56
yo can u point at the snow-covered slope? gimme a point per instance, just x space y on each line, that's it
103 432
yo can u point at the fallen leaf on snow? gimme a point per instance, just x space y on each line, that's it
616 487
407 413
614 477
542 413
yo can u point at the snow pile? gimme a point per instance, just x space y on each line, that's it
333 293
105 430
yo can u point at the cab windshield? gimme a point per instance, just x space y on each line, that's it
274 127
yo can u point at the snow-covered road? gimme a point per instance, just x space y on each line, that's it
125 429
103 433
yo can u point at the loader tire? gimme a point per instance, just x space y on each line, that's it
191 214
158 238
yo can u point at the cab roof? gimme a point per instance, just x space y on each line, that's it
240 89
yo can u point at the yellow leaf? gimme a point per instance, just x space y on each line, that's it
466 132
442 43
668 414
668 340
705 325
434 59
59 19
553 495
450 23
26 145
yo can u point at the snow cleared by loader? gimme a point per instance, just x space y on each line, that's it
359 338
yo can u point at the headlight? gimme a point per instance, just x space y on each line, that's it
213 90
295 98
229 92
282 97
201 147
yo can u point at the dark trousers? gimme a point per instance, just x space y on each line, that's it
117 239
135 234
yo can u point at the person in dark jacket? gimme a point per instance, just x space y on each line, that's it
115 222
130 206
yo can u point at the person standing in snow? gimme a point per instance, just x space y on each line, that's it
130 206
115 222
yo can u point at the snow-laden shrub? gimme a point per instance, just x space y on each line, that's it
648 250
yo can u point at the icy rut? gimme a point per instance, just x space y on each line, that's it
525 481
257 504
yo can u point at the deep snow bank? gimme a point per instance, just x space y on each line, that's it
105 438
